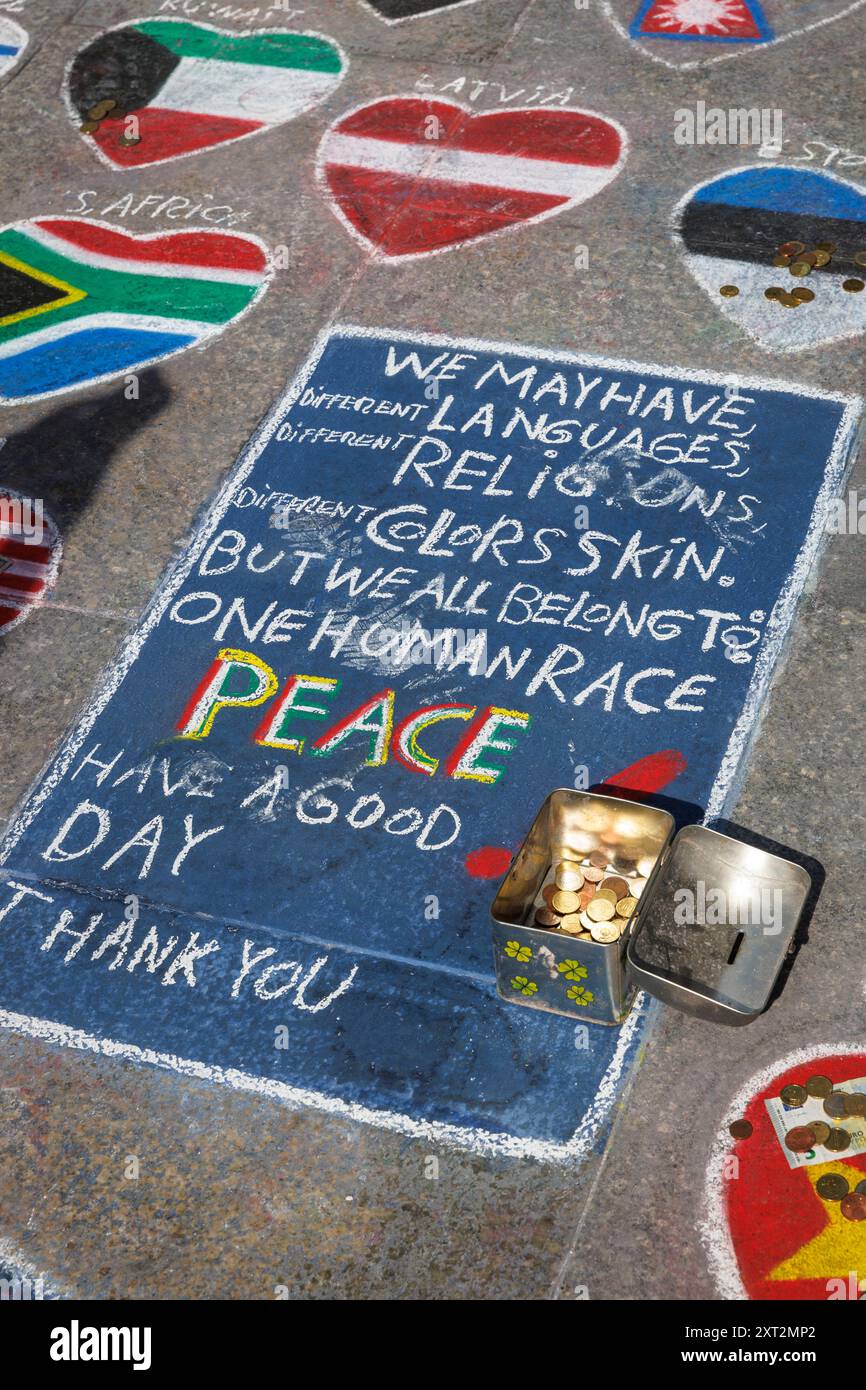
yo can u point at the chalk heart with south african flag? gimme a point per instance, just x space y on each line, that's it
411 176
731 228
192 87
82 301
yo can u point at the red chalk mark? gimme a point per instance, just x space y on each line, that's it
775 1216
649 774
488 862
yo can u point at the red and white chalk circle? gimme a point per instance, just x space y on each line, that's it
28 562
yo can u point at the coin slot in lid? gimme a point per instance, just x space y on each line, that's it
712 932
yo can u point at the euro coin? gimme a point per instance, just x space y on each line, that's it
804 294
853 286
593 875
828 246
604 932
819 1086
616 885
600 910
729 291
780 260
820 1131
548 893
571 924
607 893
800 1139
740 1129
837 1141
545 918
832 1187
564 901
860 258
569 877
820 258
834 1105
855 1103
598 860
794 1096
626 906
791 248
853 1206
800 267
774 292
88 127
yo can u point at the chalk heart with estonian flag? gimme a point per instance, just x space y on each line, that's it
192 87
699 33
731 228
82 301
410 176
13 41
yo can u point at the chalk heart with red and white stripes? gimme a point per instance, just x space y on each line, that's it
82 301
410 176
29 558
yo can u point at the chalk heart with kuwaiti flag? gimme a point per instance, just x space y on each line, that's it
82 301
701 33
730 228
410 176
192 87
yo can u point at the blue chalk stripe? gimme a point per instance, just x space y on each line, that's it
83 356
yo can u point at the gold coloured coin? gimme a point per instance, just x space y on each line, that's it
781 260
832 1187
821 258
794 1096
804 294
820 1131
774 292
626 906
791 248
855 1103
593 875
828 246
586 922
860 257
837 1141
819 1086
571 924
800 268
600 910
729 291
604 932
88 127
789 301
607 893
853 286
564 901
740 1129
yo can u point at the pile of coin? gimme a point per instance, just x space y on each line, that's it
799 261
98 112
837 1105
589 899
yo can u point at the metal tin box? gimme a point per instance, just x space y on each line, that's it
714 920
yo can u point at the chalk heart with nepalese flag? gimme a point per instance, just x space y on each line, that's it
410 176
192 87
701 33
769 1232
731 228
82 301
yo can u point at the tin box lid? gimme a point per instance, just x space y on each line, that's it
714 925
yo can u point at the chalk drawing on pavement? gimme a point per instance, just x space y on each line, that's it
228 869
398 11
82 301
413 176
191 87
13 41
730 228
631 19
30 555
768 1232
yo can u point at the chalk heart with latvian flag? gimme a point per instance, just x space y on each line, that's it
192 87
82 301
789 1242
412 176
698 33
730 228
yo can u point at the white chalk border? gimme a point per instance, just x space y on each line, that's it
607 10
75 118
215 331
727 314
380 257
476 1140
713 1229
